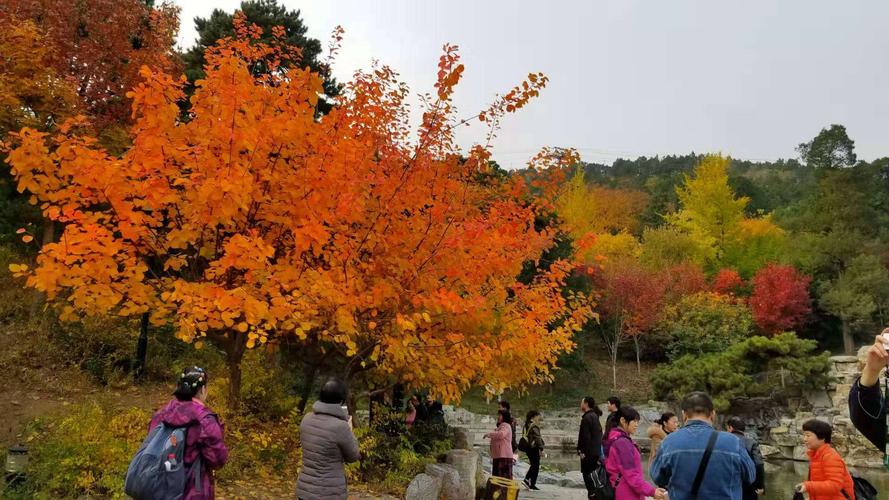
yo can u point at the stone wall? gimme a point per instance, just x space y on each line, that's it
782 436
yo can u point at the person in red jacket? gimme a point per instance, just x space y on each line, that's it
828 477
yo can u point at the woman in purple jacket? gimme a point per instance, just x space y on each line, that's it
204 437
624 462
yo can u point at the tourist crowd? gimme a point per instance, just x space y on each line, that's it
689 458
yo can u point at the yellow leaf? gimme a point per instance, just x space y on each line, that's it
242 327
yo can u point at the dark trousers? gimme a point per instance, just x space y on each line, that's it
502 467
534 460
587 466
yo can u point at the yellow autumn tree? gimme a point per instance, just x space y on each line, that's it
715 220
612 215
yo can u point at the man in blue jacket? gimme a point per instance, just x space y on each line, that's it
683 464
867 407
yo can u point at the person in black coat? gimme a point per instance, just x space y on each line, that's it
613 418
589 442
504 405
752 491
867 407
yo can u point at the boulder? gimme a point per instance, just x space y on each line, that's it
424 487
467 464
452 488
770 451
461 439
572 479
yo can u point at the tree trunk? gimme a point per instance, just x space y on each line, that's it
310 372
141 350
638 361
848 341
49 235
49 232
614 367
235 347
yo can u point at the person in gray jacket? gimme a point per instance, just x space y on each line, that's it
327 444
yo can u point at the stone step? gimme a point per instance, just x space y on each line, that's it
548 492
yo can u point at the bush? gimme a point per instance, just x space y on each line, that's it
392 455
84 452
755 367
705 322
259 449
87 449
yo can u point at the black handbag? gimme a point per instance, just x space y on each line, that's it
863 489
602 485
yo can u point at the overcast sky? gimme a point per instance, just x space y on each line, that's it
630 77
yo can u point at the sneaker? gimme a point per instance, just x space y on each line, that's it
535 488
527 484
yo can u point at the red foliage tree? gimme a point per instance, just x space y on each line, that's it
780 299
684 279
101 44
727 282
632 299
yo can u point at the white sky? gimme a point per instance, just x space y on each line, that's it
632 77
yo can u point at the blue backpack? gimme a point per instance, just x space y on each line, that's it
157 471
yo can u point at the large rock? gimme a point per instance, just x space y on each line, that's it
467 464
770 451
452 488
461 439
424 487
572 479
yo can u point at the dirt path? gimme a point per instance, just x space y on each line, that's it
281 489
32 387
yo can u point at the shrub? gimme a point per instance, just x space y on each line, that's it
261 449
392 455
85 451
705 322
754 367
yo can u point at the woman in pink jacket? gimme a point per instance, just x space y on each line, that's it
501 446
624 462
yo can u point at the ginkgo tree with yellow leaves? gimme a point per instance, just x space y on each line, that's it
716 221
356 237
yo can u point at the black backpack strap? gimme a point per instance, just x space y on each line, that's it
197 466
702 468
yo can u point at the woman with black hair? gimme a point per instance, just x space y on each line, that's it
501 446
204 438
659 429
533 447
327 445
624 462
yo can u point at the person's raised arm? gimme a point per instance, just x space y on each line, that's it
866 406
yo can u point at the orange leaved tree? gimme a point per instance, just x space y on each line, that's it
380 250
